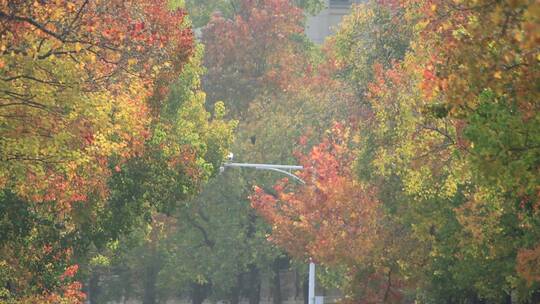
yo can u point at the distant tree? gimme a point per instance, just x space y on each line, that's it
202 11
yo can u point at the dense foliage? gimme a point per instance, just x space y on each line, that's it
445 157
99 133
417 124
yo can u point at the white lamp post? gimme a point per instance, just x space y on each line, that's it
311 283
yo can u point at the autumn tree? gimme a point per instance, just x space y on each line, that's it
85 107
62 61
371 34
442 131
476 70
252 52
149 193
417 138
201 11
340 219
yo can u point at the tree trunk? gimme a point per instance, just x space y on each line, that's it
93 288
535 298
508 299
254 285
276 286
150 280
298 291
306 290
235 292
199 292
477 300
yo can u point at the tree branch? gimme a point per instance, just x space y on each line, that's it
32 22
207 240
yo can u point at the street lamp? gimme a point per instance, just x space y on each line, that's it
281 169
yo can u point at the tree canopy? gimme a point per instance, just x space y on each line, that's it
416 124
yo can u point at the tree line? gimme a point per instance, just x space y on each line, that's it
417 125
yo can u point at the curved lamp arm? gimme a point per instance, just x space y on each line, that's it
271 167
286 173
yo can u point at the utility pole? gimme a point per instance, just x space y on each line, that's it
311 283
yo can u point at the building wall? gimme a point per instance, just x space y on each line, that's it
324 24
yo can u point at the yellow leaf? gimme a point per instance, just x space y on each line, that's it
78 47
498 75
